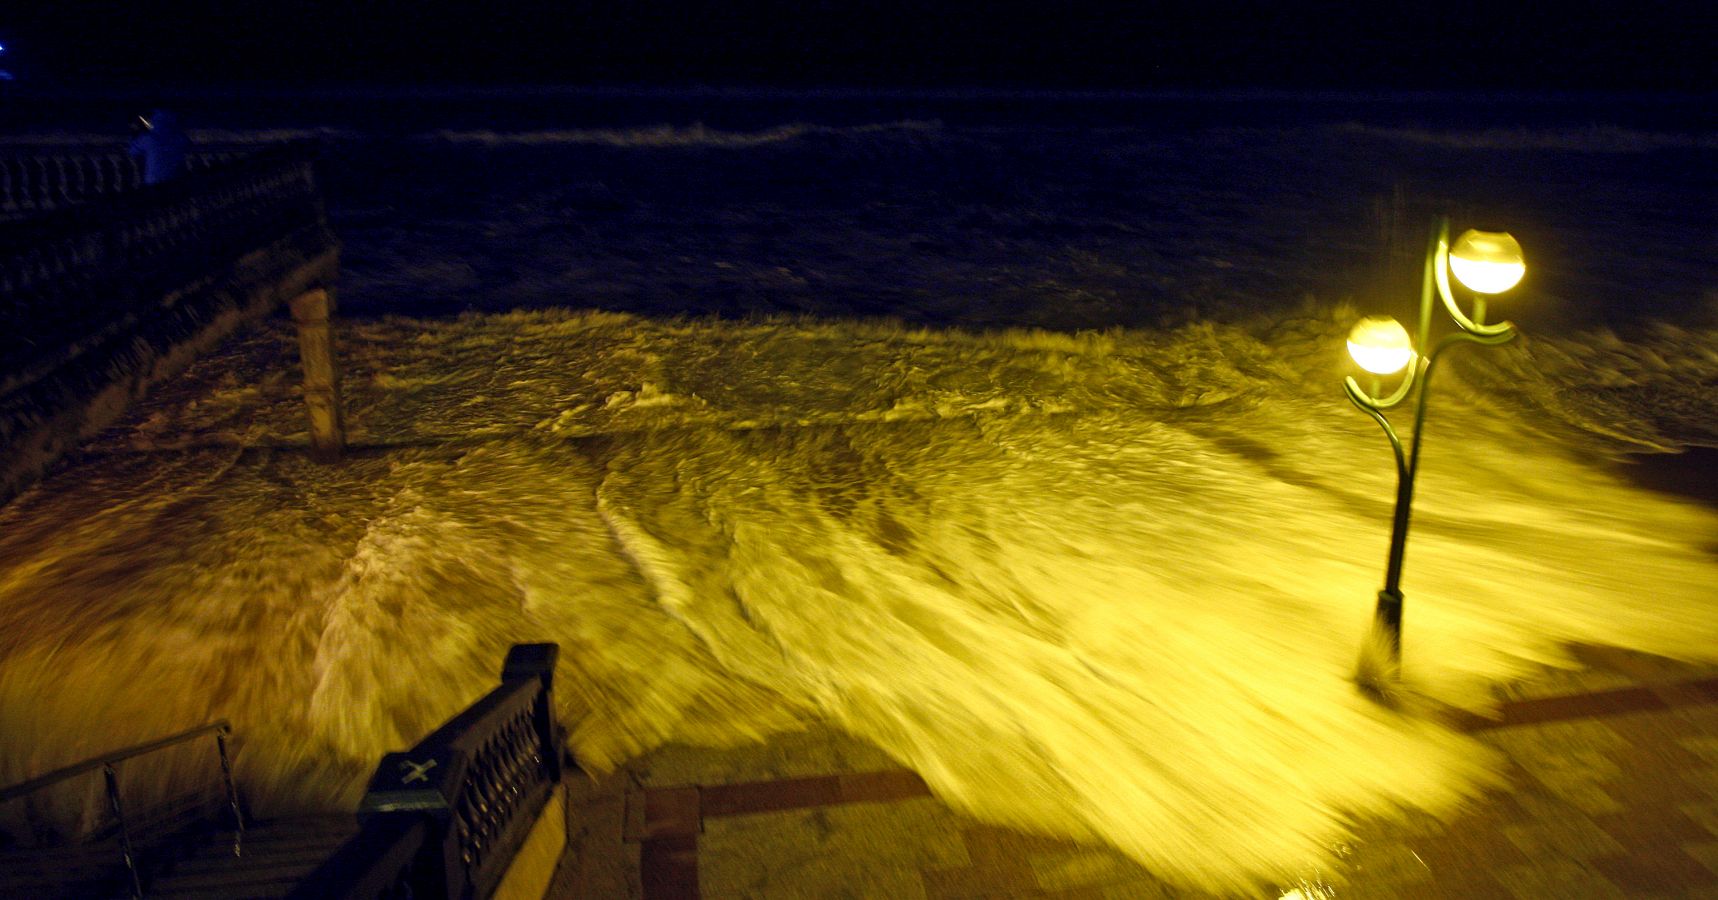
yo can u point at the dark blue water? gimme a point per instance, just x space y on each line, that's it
527 108
979 209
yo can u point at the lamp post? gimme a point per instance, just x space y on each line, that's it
1484 263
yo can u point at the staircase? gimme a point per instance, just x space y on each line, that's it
446 819
274 856
82 870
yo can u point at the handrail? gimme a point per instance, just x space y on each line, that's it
220 728
476 785
34 184
141 222
468 730
38 182
96 762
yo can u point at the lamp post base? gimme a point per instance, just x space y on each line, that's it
1380 666
1389 618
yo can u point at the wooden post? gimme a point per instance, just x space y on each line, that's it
311 311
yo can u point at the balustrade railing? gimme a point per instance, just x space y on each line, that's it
130 832
67 275
445 818
33 184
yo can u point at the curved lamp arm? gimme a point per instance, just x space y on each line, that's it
1375 409
1366 401
1506 332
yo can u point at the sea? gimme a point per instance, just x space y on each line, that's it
1002 430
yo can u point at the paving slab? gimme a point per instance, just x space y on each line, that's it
1612 791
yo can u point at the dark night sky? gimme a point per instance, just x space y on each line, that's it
1575 44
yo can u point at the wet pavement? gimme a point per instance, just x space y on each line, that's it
1612 791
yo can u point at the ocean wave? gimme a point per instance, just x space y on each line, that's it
1590 139
269 135
665 135
1646 393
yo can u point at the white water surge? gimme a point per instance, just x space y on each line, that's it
1108 586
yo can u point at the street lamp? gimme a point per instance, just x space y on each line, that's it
1484 263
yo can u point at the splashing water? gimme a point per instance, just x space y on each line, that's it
1106 586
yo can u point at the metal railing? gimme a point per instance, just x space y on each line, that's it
107 762
445 818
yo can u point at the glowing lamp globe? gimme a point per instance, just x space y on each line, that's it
1380 345
1487 262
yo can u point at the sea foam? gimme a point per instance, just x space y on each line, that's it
1108 586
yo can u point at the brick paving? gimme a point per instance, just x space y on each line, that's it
1612 792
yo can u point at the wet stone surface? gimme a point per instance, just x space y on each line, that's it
1612 798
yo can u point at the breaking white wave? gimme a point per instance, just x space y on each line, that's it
241 136
666 135
1106 585
1590 139
1649 392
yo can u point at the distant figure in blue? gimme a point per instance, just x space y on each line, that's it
160 145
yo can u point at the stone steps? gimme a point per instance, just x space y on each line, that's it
275 855
81 870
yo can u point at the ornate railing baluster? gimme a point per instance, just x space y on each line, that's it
35 184
476 785
8 178
118 806
232 791
92 252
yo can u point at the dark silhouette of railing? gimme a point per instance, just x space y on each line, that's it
34 184
161 825
442 820
445 818
78 285
101 299
99 260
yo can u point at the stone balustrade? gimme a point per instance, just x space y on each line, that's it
448 819
102 297
37 183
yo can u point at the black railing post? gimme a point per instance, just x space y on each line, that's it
420 785
232 792
470 792
44 833
538 661
118 806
